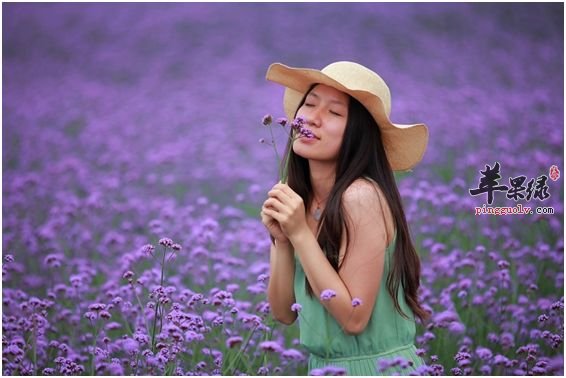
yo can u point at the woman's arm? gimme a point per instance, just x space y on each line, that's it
280 291
362 269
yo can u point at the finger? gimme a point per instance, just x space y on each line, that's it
275 204
286 189
264 217
279 195
273 214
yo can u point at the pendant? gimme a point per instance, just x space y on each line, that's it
317 213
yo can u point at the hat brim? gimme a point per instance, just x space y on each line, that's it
404 145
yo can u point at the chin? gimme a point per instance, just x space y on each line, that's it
303 152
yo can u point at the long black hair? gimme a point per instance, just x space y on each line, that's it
361 155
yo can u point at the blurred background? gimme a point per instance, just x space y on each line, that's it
127 123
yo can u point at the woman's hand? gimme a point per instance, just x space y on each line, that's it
273 227
287 208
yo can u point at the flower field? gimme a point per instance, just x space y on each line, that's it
133 179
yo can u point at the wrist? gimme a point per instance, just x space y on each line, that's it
282 244
300 236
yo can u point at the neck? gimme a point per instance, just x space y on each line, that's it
322 177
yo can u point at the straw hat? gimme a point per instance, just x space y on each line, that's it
404 144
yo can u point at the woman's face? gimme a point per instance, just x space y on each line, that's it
326 112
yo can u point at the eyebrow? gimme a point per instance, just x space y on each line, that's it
331 101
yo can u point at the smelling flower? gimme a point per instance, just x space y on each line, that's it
298 130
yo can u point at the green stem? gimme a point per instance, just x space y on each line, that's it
142 309
93 348
34 348
241 351
275 148
153 332
284 173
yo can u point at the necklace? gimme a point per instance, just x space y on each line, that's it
317 212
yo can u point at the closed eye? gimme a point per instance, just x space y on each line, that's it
335 113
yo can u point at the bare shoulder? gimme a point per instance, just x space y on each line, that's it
364 201
363 193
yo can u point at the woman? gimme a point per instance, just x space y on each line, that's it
342 259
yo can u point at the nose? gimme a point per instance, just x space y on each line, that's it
314 117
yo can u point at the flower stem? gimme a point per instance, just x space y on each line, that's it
275 149
93 348
34 346
157 304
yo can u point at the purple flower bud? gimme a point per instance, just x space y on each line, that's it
166 242
267 119
306 133
282 121
327 294
296 307
97 306
356 302
231 342
147 250
128 274
270 346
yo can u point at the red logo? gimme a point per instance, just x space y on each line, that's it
554 173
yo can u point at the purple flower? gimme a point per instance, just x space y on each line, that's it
90 315
147 250
327 294
334 370
306 133
270 346
128 274
558 305
293 354
507 340
263 370
166 242
316 372
53 260
356 302
500 360
282 121
267 119
485 370
456 328
296 307
97 306
233 341
483 353
297 123
131 346
456 371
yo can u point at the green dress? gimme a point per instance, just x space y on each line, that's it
388 335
